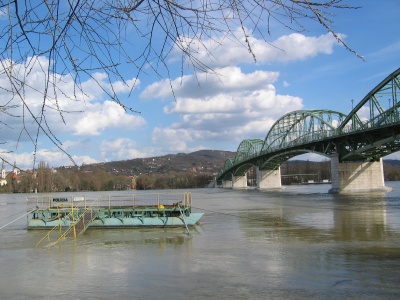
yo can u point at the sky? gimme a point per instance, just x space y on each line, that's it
292 71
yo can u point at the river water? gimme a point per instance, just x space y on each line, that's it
297 243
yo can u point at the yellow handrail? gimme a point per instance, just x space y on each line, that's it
48 234
51 230
70 214
89 208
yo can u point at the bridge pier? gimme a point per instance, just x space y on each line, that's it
269 179
348 177
239 182
226 184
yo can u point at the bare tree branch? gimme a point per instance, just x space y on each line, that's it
80 37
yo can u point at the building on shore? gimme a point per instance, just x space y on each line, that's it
3 180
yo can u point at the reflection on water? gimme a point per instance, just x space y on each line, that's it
333 218
300 242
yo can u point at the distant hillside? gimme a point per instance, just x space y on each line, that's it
202 162
392 162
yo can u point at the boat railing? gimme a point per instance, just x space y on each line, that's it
109 201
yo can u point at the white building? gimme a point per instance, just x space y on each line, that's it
3 180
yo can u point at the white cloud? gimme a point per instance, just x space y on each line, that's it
101 116
122 149
158 90
66 109
92 85
244 105
261 101
255 97
221 52
54 158
176 139
297 46
125 87
364 112
225 80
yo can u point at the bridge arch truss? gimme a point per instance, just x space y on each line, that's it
370 131
301 127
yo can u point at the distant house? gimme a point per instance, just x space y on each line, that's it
16 172
3 180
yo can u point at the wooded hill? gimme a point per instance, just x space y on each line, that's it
201 162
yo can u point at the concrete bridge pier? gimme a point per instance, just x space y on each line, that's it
268 179
226 184
239 182
348 177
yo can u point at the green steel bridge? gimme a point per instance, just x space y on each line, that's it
368 133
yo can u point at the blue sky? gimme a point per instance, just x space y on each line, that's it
308 70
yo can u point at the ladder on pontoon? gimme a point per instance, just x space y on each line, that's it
183 218
77 228
81 224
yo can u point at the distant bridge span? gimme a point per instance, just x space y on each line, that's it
355 142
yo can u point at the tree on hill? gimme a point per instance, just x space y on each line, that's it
79 39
